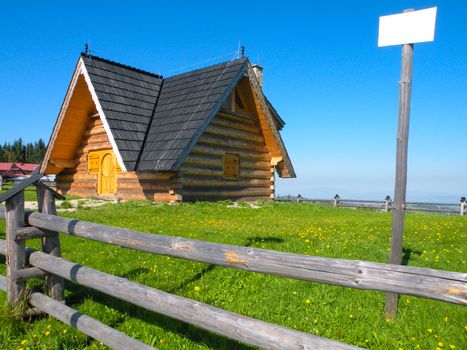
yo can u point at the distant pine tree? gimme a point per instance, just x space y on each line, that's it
22 153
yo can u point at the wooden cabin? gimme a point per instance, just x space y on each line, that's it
208 134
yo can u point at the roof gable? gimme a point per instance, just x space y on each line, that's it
153 123
186 105
128 97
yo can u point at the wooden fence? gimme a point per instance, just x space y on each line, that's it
385 205
24 264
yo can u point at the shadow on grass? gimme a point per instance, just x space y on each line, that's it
193 333
196 277
257 239
407 253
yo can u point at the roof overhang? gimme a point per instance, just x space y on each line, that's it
50 165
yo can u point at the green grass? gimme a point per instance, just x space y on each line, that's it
30 193
350 316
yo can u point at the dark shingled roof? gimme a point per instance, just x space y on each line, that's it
128 97
155 121
187 103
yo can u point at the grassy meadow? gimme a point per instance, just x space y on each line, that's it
350 316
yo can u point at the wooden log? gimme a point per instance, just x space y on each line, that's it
50 243
428 203
209 182
28 273
31 232
15 249
219 162
224 192
238 144
220 120
63 163
428 283
3 283
2 247
235 326
89 326
234 134
360 201
405 89
195 171
237 116
220 151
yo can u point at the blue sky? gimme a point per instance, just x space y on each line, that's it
337 91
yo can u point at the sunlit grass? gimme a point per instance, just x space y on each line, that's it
350 316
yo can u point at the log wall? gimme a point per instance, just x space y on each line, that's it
130 185
202 174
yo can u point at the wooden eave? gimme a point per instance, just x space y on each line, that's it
80 103
272 137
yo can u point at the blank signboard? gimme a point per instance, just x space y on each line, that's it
407 28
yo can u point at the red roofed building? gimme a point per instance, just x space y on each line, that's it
9 170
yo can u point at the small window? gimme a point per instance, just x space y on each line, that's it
231 166
93 162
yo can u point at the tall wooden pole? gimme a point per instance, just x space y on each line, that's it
405 89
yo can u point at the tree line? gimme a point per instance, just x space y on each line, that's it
21 152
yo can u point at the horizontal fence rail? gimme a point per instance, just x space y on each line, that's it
422 282
235 326
386 204
89 326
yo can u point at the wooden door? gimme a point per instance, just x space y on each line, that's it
107 175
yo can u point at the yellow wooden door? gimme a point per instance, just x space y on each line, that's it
107 175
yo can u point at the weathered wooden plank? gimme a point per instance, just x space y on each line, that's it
235 326
2 247
50 243
89 326
3 283
428 283
30 233
28 273
15 249
405 88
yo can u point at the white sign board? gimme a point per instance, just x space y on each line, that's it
407 28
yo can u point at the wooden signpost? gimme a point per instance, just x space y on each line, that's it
406 28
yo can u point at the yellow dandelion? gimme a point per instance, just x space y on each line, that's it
24 342
47 333
350 316
64 331
452 347
441 345
430 330
197 289
308 301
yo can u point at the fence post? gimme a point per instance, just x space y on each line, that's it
462 206
50 243
336 200
16 252
387 204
